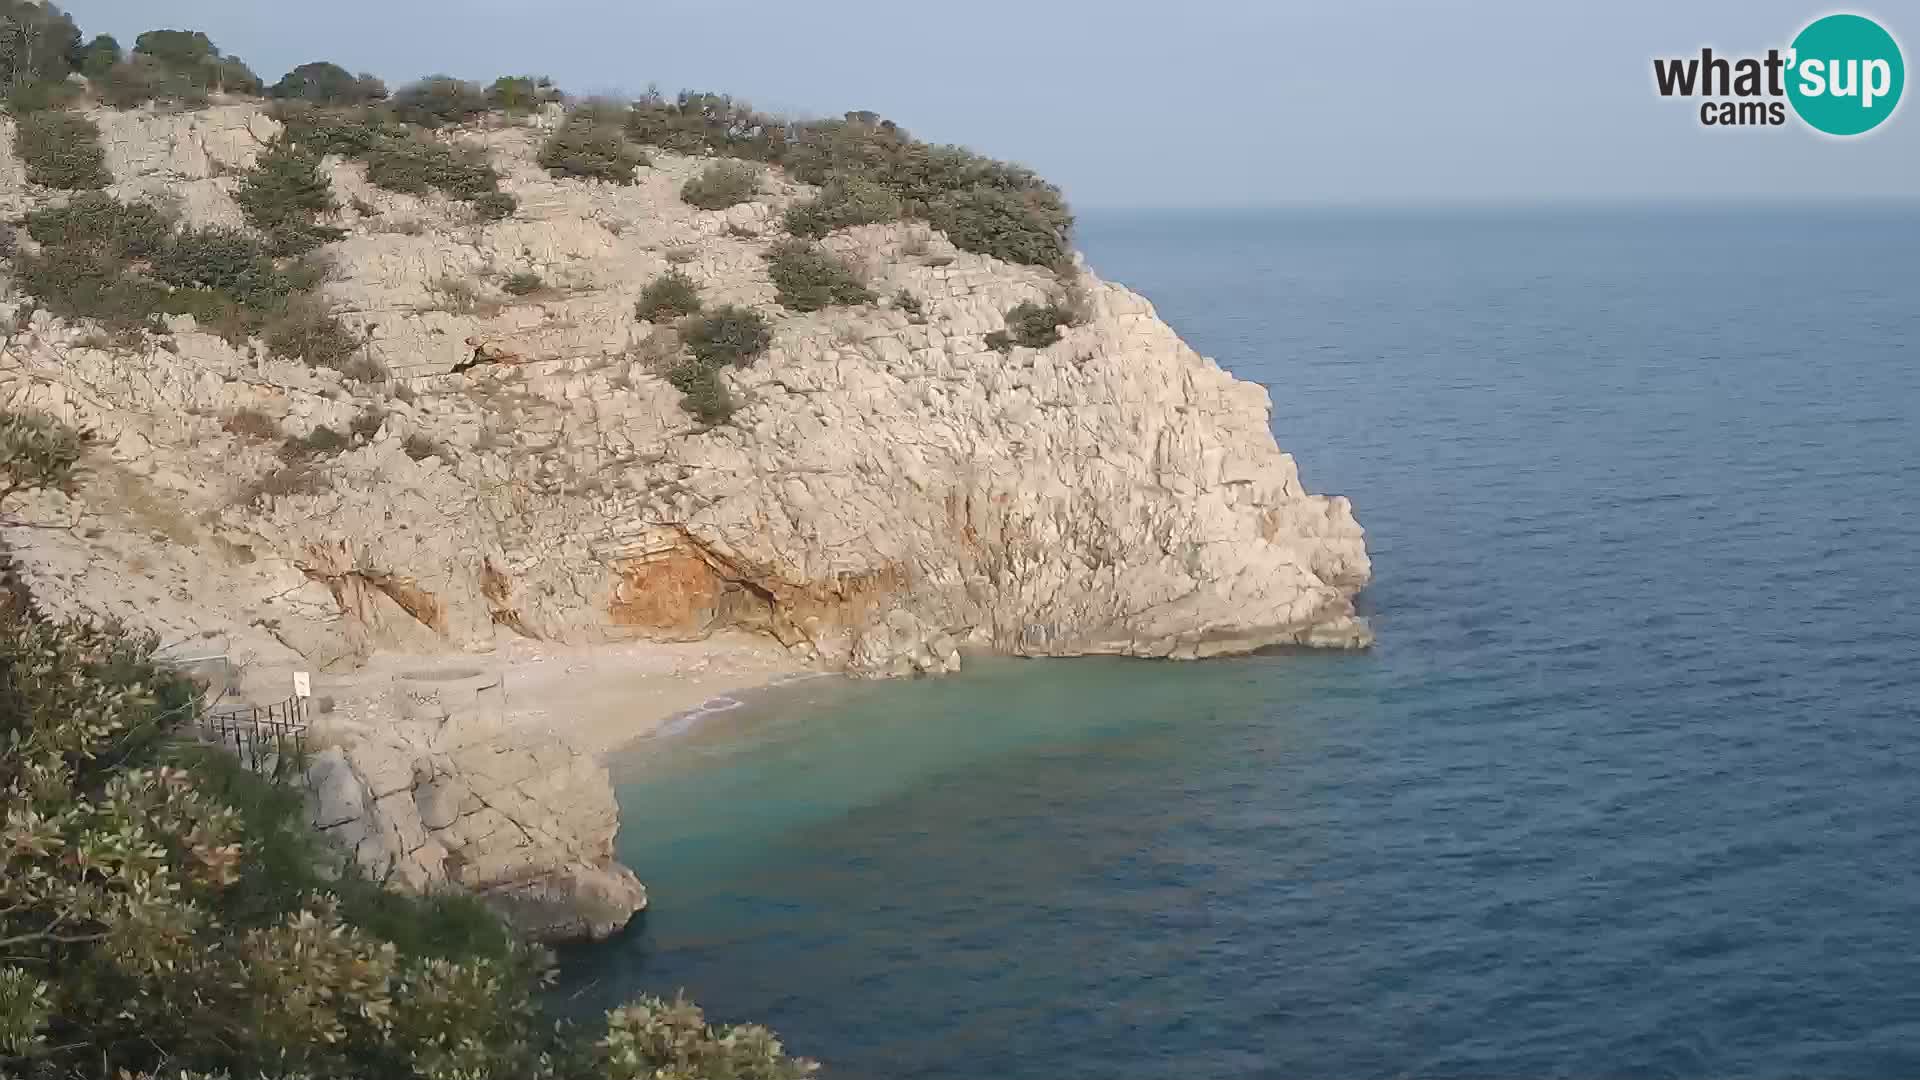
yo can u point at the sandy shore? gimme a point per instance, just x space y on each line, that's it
597 697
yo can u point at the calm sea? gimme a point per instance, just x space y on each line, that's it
1630 787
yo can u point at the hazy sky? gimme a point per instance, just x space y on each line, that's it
1138 103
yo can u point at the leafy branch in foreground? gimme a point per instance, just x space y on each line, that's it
167 913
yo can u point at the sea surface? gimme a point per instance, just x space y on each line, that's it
1630 786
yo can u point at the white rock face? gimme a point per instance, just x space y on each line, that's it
445 795
890 490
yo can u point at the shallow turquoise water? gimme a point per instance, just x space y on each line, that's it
1627 789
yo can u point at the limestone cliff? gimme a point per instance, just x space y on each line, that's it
890 491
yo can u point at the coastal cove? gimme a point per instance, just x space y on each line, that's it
1625 779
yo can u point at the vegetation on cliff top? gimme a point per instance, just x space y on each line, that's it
168 914
870 169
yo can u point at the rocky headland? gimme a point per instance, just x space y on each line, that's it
895 481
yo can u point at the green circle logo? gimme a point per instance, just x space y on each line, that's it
1845 74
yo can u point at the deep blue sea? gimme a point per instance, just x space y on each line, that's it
1630 786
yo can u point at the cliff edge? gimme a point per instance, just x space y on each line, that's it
889 490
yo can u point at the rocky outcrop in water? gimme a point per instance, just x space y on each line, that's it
443 794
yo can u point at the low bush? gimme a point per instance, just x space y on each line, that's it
525 283
38 453
77 283
321 442
843 203
61 150
986 206
1035 325
419 447
495 206
303 329
366 425
721 185
726 335
416 166
301 478
31 97
1012 226
438 101
701 123
251 424
323 83
283 195
224 260
518 95
670 296
705 396
103 225
808 278
398 158
909 303
589 151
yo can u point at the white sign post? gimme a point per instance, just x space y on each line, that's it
302 685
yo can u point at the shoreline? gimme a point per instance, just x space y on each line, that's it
598 698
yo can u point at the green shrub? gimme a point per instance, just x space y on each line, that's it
495 206
721 185
700 123
1000 341
705 396
419 447
985 205
61 150
323 83
140 78
282 195
366 425
1036 325
525 283
397 158
438 101
305 330
232 75
842 203
251 424
517 95
909 303
591 151
1011 226
321 442
32 97
176 48
99 56
226 260
76 283
809 279
301 478
417 166
671 296
40 43
38 453
98 222
184 65
726 335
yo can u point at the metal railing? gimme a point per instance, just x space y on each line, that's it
261 736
